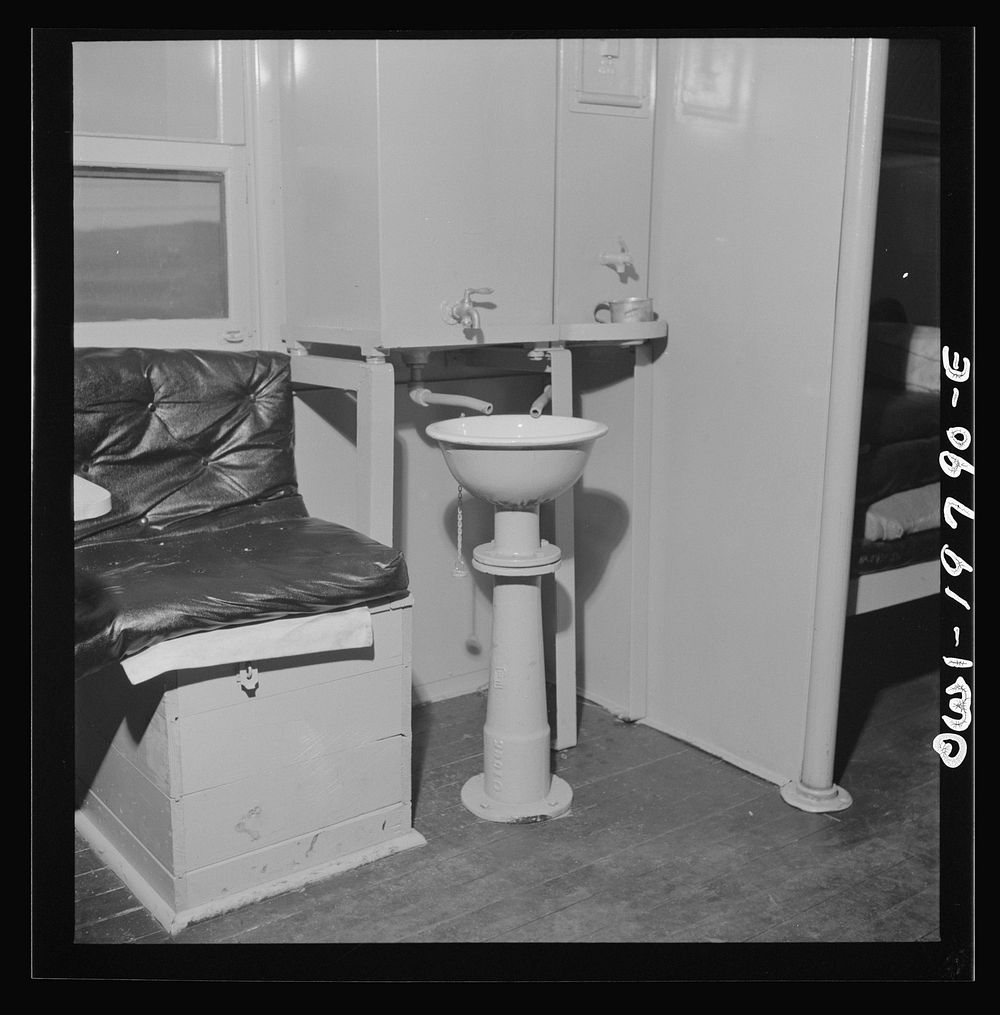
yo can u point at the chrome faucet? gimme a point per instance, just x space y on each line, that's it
464 311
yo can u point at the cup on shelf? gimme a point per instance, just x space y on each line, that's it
631 310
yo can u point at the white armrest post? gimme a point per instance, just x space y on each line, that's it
376 430
374 383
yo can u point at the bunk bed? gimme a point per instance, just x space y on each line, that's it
897 536
897 501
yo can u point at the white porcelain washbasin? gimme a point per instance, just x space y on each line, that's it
516 462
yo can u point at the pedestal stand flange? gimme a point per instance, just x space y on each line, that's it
555 803
542 558
487 560
816 801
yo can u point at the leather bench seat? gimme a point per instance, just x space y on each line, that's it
134 593
207 528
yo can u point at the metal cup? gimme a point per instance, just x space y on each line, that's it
627 311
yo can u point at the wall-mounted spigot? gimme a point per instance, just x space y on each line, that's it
621 261
464 312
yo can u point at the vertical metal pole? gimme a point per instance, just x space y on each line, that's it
640 530
815 790
561 360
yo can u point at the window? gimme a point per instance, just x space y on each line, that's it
161 243
149 244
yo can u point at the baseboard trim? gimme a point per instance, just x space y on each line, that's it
174 921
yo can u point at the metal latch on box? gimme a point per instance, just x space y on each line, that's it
249 679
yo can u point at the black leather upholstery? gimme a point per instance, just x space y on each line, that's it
180 437
207 528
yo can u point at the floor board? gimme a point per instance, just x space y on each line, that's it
663 843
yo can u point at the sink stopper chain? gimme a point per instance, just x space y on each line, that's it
459 570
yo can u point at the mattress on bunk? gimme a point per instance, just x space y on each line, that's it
898 530
897 498
871 556
896 468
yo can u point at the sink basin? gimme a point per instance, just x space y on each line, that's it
516 462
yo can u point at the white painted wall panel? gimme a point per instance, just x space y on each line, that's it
748 189
467 174
329 132
603 191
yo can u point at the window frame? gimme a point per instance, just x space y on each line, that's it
236 330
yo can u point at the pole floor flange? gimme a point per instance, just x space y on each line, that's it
816 801
554 804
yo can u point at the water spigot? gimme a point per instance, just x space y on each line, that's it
464 311
621 261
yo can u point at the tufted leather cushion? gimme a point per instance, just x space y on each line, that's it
207 528
134 593
179 436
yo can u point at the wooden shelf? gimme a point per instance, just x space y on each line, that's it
615 333
445 337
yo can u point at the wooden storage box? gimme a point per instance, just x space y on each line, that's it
204 794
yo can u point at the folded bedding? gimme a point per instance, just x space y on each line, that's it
902 513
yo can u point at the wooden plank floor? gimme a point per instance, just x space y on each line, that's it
664 843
